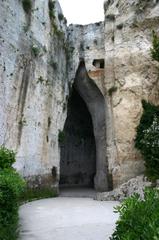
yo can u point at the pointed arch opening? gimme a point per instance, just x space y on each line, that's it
83 152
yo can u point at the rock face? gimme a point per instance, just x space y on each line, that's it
39 59
33 87
134 185
130 76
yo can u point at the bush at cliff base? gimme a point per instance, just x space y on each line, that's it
138 219
11 187
147 139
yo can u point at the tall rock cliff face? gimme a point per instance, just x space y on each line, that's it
130 76
110 65
33 86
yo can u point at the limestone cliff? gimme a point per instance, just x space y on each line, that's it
40 58
33 85
130 76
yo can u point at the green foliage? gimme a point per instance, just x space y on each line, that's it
59 33
41 80
27 5
147 139
51 5
138 219
11 186
30 194
61 136
7 158
53 64
35 50
155 49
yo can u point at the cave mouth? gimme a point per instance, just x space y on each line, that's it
78 149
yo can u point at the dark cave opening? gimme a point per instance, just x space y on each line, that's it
78 149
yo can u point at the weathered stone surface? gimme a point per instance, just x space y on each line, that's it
130 76
86 42
33 86
134 185
38 63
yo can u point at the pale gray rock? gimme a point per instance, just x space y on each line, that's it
134 185
38 64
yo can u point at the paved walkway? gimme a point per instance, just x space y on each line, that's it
67 218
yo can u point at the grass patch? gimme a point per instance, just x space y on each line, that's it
31 194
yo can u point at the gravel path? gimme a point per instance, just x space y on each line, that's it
66 218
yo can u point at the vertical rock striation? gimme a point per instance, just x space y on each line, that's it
33 86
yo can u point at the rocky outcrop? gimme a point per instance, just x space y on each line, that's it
130 76
87 43
134 185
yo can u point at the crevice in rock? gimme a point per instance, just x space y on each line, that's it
22 99
98 63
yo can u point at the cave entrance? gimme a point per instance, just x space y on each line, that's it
78 150
84 150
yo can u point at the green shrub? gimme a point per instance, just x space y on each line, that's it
27 5
147 139
58 32
138 219
35 50
155 49
7 158
51 5
11 186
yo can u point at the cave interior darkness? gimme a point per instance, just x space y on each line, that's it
78 149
